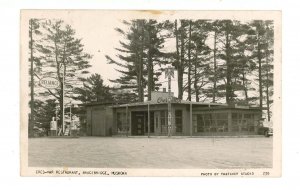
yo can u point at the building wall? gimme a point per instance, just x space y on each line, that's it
237 122
156 109
99 120
102 120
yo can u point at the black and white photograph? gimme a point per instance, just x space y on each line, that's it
150 93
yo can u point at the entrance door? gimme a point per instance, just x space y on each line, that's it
138 123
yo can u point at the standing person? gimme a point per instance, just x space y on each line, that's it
74 126
53 127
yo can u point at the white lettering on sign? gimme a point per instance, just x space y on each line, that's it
49 82
165 100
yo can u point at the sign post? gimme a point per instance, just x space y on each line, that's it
52 83
169 72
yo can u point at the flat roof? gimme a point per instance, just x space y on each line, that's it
155 103
182 102
98 103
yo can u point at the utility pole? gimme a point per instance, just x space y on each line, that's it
169 72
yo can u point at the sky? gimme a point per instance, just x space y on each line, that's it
97 31
99 37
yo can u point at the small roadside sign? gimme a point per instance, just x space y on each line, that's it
169 72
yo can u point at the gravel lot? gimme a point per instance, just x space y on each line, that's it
179 153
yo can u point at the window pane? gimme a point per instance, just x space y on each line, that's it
178 113
178 120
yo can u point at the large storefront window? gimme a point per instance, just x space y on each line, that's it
164 121
221 120
236 121
240 123
210 122
250 121
121 122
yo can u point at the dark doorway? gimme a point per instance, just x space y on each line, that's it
139 123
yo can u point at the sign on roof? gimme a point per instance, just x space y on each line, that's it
241 106
162 97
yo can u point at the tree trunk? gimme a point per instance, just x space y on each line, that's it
260 75
245 87
178 64
181 65
196 77
141 66
267 86
228 70
215 68
268 98
150 72
150 64
190 64
32 115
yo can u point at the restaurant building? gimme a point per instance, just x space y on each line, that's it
188 118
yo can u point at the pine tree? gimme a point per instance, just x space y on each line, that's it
268 66
231 32
94 90
132 56
181 63
215 28
260 35
139 56
34 32
44 111
198 58
63 57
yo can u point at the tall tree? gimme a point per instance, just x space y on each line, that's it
215 30
260 35
34 31
131 56
139 55
180 63
156 33
231 33
200 61
63 58
189 85
268 67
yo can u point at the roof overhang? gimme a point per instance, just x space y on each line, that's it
164 103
